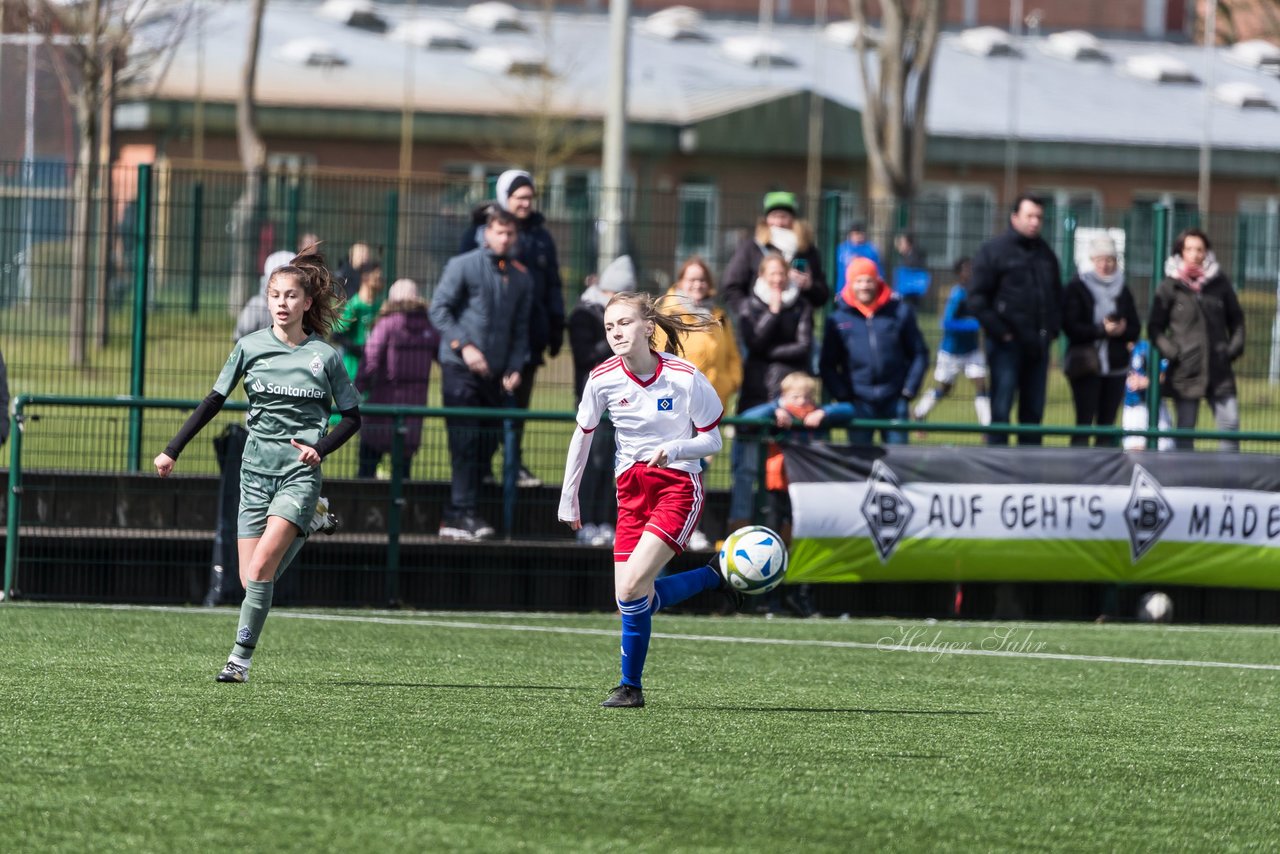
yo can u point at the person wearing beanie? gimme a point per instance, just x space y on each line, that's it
396 370
873 355
1197 323
779 230
536 250
960 350
1100 319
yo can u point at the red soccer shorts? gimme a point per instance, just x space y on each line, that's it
667 502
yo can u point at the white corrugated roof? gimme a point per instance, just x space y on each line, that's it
679 82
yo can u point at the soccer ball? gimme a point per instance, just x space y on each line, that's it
753 559
1155 607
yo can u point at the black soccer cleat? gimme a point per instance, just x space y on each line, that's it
233 673
732 597
624 697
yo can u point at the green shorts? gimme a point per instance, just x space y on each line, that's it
292 497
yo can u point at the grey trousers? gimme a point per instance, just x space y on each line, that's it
1226 414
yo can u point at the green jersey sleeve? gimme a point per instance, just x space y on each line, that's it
343 390
232 371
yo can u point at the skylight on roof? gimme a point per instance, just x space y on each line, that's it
1075 46
495 17
758 52
432 35
361 14
987 41
1159 68
312 52
512 60
1257 54
676 23
1244 95
845 34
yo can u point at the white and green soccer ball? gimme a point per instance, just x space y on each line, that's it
753 559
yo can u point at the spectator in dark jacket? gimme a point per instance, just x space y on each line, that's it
597 496
1197 323
481 308
1016 294
873 355
536 250
396 370
776 326
1101 321
781 232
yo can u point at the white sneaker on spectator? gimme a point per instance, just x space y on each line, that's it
587 534
603 537
698 542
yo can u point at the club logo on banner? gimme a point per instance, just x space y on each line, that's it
1147 514
886 508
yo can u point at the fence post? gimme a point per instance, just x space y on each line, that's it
1069 223
291 217
395 511
14 504
831 226
141 263
1159 248
393 236
1242 247
197 229
511 463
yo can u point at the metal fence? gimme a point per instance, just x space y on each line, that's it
171 254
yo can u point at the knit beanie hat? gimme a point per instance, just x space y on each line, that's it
780 200
619 277
862 267
510 181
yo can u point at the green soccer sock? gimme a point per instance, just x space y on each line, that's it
253 613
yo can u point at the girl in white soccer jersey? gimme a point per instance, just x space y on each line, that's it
290 374
666 416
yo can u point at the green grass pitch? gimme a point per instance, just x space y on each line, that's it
377 731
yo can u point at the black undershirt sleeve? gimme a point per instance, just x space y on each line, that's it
204 413
341 432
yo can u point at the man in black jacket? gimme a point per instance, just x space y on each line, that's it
536 251
1016 294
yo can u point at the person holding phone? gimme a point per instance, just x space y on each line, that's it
1100 319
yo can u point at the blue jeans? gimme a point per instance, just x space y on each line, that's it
1016 370
883 410
745 459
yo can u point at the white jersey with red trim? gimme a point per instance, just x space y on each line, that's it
676 403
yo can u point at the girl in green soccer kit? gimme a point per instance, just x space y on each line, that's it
290 375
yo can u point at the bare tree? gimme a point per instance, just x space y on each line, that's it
106 45
253 156
549 133
896 100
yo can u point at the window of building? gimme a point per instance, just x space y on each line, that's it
697 220
1259 234
1140 224
952 220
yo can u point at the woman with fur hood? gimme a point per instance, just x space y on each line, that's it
780 231
1197 323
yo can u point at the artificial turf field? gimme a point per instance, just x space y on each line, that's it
414 731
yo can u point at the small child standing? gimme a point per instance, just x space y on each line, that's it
796 412
1136 414
960 350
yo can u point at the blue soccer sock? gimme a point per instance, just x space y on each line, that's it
674 589
253 613
637 624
